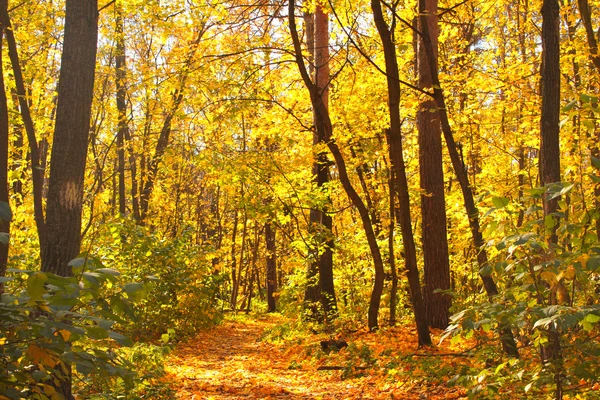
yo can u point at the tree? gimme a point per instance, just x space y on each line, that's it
69 149
433 204
399 172
324 120
271 267
550 155
4 197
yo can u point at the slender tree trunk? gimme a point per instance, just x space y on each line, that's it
327 290
311 293
4 197
37 170
507 339
399 173
271 266
123 128
586 17
433 204
550 154
392 255
325 123
69 150
234 276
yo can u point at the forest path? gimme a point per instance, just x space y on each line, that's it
232 362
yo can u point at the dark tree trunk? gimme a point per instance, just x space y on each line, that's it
325 122
123 128
392 255
327 290
234 274
271 266
399 173
433 204
550 151
4 224
586 17
69 150
311 293
37 169
507 339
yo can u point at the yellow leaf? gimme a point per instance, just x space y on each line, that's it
548 276
40 355
65 334
49 390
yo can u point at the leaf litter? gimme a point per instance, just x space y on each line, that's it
234 361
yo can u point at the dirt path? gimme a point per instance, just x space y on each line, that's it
231 362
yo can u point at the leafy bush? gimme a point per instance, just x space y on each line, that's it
187 293
50 323
549 297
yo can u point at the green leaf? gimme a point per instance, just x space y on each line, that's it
35 285
586 98
595 162
592 318
500 202
5 212
569 106
135 291
96 332
121 339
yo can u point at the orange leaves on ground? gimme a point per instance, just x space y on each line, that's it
233 362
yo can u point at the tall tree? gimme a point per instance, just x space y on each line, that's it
400 184
69 148
271 266
4 222
324 120
586 18
433 204
122 126
37 166
321 165
550 155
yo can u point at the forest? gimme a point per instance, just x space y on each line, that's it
301 199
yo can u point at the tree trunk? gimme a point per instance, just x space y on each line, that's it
586 17
123 128
433 204
507 339
326 287
550 153
37 169
325 124
392 255
399 173
4 197
271 266
69 150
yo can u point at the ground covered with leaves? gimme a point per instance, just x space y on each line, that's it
266 358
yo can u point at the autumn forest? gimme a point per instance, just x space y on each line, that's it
377 199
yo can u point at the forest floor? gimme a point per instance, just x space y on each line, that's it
245 358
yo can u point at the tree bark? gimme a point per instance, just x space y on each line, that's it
271 267
550 153
123 128
37 168
326 287
324 120
433 203
506 337
586 17
69 150
4 197
399 173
